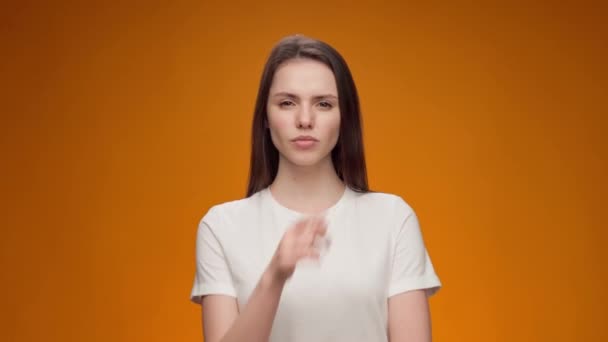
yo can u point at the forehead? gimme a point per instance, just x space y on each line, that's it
304 77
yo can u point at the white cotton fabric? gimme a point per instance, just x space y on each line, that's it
376 251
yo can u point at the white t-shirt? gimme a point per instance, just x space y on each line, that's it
376 251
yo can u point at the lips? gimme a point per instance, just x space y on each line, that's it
304 142
305 138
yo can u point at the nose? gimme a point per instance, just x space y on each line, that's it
305 118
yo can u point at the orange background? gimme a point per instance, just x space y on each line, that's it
123 123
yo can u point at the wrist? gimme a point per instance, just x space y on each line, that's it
272 279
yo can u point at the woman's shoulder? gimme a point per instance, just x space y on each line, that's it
241 207
389 205
384 201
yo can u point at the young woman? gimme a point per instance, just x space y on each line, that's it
311 254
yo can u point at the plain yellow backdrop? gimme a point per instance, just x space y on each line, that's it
123 122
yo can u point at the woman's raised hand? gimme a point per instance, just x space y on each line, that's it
299 242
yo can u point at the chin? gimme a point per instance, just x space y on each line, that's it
304 159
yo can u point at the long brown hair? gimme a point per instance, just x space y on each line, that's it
347 156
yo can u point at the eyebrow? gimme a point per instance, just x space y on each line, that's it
293 96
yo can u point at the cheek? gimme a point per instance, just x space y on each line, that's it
333 127
278 126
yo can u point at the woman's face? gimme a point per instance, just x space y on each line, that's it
303 112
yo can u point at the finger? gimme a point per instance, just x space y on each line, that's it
320 228
301 225
307 239
308 229
308 226
300 252
310 253
312 221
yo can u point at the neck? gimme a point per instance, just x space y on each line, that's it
307 189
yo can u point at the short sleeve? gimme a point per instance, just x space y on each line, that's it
412 268
213 274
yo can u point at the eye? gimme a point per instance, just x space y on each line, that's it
325 105
285 103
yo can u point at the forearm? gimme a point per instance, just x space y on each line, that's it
254 323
